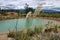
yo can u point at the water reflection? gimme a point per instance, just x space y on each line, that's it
28 22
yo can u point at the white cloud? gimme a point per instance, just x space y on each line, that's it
32 3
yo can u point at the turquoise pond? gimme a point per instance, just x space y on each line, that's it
6 25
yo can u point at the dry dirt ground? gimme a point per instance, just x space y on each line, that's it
3 36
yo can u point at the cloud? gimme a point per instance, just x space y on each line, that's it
32 3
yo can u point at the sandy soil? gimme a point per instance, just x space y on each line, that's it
3 36
50 18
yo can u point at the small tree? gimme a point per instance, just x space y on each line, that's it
27 8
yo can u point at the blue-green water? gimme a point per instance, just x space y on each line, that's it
5 25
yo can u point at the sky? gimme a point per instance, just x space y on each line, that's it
18 4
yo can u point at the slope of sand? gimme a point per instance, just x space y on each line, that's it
3 36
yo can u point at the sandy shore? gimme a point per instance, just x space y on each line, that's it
3 36
50 18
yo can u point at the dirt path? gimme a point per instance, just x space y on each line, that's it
3 37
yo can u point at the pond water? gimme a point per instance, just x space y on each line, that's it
6 25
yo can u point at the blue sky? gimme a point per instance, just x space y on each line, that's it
18 4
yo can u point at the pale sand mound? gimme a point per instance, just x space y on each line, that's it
3 36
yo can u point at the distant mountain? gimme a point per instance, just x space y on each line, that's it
12 7
48 10
43 10
22 10
58 8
